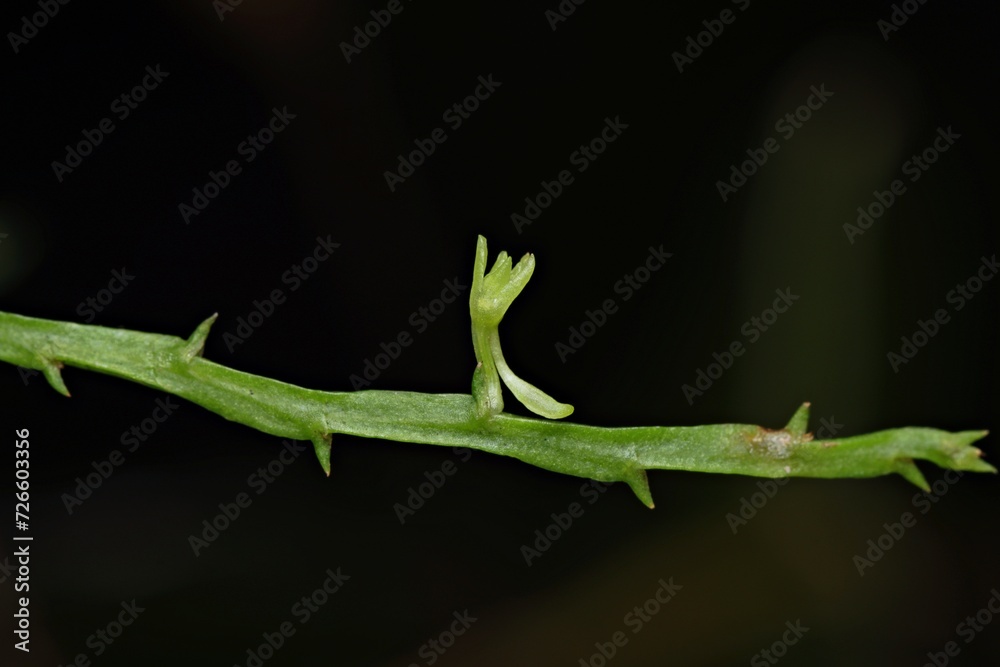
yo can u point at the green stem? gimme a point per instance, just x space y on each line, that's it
175 365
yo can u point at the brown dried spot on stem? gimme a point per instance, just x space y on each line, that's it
777 444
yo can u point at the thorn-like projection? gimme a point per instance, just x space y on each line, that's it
799 423
639 482
909 470
50 369
322 443
196 343
962 455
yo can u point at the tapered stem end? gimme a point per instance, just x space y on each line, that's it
322 444
52 373
639 483
799 423
195 345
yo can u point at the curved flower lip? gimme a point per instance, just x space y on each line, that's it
528 394
490 297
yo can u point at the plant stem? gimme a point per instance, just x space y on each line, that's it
175 365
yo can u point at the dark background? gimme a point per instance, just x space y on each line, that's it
323 177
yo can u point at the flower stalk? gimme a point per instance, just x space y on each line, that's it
490 297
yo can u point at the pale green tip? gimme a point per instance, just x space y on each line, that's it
639 483
966 457
196 343
911 473
322 444
799 423
50 369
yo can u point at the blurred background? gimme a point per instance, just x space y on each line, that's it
758 144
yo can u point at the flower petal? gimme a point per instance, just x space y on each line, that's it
528 394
